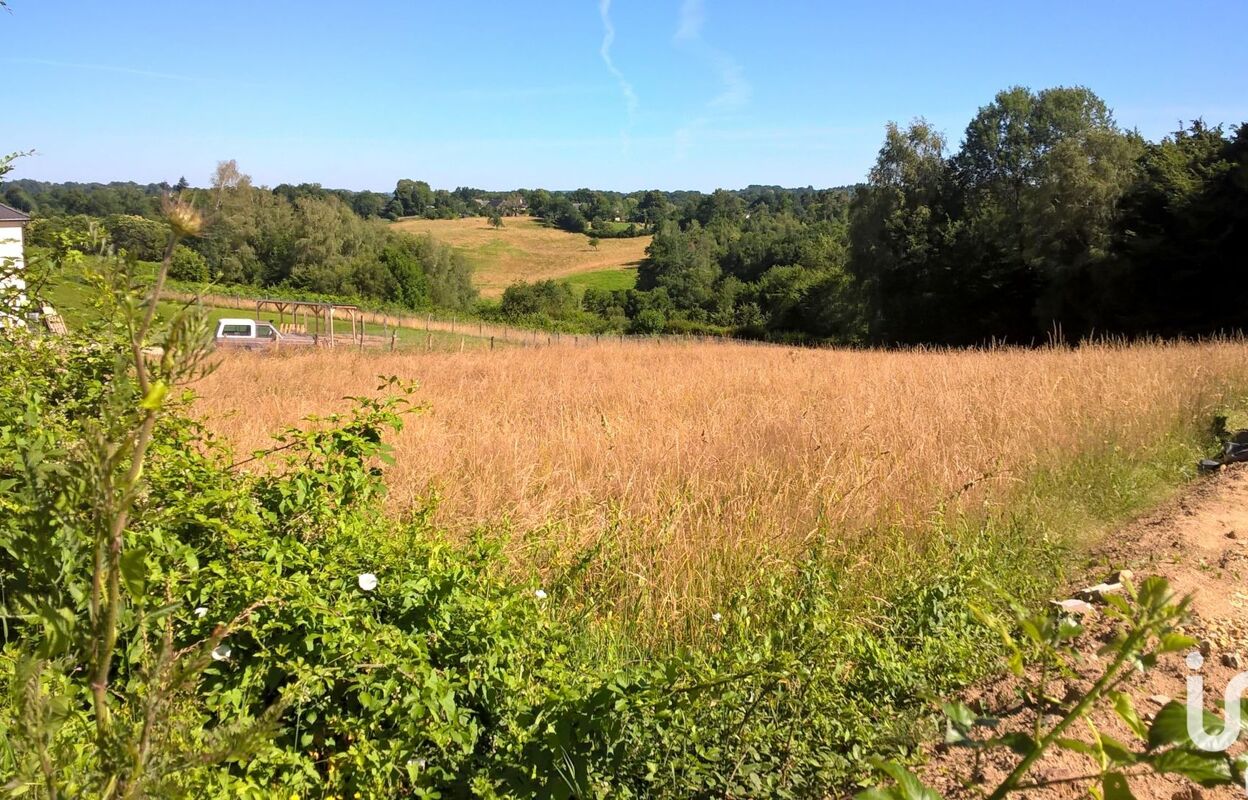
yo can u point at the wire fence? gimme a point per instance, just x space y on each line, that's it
483 334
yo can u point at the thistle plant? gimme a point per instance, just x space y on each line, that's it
109 659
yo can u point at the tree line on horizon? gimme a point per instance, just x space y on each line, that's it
1049 219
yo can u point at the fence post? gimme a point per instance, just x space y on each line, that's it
491 342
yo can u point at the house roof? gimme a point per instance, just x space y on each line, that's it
9 214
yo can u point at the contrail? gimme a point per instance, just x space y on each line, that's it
608 38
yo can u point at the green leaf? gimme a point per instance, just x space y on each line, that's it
155 396
1068 628
134 571
1207 769
1020 743
1116 751
164 611
1126 710
58 627
909 787
1114 786
1176 642
959 719
1032 629
1170 726
1076 746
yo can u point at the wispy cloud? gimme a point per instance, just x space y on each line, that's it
735 90
608 39
168 76
692 17
518 93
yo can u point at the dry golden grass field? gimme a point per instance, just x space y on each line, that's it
524 249
685 465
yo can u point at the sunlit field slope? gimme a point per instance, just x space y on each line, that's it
525 250
684 467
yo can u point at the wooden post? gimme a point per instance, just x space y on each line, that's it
392 338
491 342
428 341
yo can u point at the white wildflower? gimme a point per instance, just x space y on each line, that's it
540 594
200 612
717 617
368 581
221 652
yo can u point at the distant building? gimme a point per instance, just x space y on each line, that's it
12 263
511 206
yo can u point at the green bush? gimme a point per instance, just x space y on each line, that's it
188 265
548 298
648 321
138 237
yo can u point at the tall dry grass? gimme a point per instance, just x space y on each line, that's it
683 466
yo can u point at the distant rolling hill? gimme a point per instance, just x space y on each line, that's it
525 250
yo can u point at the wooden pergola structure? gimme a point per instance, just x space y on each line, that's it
319 315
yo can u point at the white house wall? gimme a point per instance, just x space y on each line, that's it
12 263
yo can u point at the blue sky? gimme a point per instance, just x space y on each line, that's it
613 94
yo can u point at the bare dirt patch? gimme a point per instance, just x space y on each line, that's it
1199 542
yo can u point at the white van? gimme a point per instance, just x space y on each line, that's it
247 333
